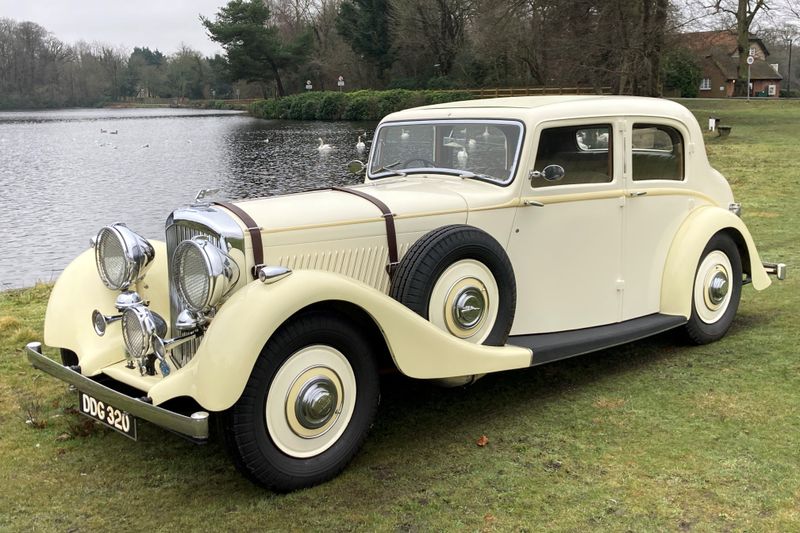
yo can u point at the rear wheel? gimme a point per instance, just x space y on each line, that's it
307 406
716 292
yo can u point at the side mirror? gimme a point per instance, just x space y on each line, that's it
356 167
549 173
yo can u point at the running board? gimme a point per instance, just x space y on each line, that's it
548 347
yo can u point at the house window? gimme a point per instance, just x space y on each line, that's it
705 84
771 90
752 50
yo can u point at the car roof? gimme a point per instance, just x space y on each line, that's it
540 108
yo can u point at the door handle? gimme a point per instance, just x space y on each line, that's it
533 203
636 194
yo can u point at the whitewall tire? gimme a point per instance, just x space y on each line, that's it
716 291
308 405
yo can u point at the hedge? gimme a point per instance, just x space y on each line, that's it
357 105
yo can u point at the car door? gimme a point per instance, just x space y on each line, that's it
659 196
566 244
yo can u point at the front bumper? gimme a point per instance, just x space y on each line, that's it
195 426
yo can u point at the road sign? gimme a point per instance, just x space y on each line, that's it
751 60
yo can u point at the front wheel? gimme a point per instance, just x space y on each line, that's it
716 291
307 406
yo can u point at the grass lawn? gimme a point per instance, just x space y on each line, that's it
655 435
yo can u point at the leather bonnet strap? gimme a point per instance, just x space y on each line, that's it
388 217
255 234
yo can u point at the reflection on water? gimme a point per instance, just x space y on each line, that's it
64 174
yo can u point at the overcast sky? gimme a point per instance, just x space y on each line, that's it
162 24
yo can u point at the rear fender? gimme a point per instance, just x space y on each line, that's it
218 373
688 245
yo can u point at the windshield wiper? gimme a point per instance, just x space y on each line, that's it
388 168
461 173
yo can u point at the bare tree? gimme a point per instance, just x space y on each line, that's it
745 12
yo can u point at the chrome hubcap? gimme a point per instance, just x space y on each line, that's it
468 307
310 401
316 403
718 288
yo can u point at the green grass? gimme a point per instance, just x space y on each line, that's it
652 436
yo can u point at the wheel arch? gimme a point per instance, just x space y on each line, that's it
358 316
687 247
217 374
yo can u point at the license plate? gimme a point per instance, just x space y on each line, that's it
108 415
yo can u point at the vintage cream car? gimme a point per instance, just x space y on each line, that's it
488 235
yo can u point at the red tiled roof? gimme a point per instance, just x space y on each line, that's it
759 70
707 42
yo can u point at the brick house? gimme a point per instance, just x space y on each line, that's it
718 58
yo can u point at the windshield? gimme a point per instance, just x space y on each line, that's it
484 149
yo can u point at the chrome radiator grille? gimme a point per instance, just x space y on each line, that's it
177 233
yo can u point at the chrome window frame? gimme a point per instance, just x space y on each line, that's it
454 121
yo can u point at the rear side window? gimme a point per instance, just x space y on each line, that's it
657 153
584 152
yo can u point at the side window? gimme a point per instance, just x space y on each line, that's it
584 152
657 153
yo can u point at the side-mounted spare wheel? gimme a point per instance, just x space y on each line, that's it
716 291
459 278
308 405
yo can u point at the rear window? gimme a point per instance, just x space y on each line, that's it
657 153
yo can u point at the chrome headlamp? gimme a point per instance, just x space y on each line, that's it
139 326
203 274
122 256
142 333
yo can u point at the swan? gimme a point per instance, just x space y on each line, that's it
462 157
485 131
472 142
404 135
113 132
103 131
322 146
360 146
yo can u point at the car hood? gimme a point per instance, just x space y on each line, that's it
408 197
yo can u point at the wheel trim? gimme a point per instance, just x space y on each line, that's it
314 402
712 287
462 287
310 401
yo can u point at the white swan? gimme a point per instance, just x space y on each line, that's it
404 135
360 146
472 142
322 146
462 157
485 131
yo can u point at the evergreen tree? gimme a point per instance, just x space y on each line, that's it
365 26
255 48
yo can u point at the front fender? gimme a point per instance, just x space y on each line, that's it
79 291
218 373
684 256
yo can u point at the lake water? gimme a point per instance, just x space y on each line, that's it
64 174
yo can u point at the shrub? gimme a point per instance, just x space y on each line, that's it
332 106
356 105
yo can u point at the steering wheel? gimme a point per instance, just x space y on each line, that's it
425 162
